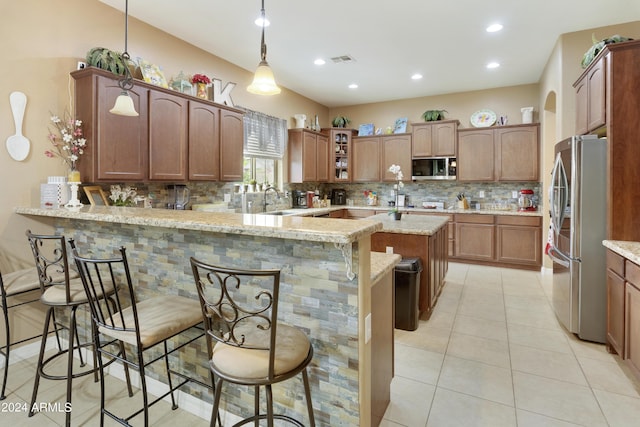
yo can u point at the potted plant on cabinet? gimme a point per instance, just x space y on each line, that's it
433 115
340 121
107 59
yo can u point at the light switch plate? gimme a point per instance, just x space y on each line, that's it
389 249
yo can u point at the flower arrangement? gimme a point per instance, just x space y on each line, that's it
124 196
397 171
69 142
200 78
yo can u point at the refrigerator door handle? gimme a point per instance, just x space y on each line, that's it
559 257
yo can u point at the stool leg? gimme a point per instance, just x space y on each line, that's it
166 362
217 392
73 331
43 344
269 405
256 405
307 392
5 312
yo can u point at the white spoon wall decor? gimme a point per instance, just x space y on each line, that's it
18 145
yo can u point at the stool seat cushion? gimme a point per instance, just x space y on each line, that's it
57 295
21 281
160 318
292 348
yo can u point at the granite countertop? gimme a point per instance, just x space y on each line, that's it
381 264
330 230
321 211
426 225
629 250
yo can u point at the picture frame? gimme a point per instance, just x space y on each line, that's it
365 129
151 73
400 125
96 195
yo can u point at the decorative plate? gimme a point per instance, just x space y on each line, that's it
483 118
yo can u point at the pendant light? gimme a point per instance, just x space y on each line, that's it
124 104
263 81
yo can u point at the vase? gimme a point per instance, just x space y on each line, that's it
201 90
74 175
397 216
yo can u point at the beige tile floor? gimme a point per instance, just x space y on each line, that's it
492 354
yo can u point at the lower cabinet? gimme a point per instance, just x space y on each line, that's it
632 317
475 237
615 303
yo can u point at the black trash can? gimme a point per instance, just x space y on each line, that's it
407 275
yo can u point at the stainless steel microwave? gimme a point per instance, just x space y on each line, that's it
433 168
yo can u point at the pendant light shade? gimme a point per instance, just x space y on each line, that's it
124 104
263 81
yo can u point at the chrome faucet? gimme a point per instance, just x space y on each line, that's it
264 206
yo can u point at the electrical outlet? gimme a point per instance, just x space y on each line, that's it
389 249
481 194
367 328
514 194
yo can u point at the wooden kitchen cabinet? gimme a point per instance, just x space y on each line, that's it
372 156
615 303
156 145
118 145
475 237
591 98
519 240
167 137
339 154
505 153
366 159
308 156
434 139
632 325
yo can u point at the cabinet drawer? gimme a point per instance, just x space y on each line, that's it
632 274
615 263
529 221
474 218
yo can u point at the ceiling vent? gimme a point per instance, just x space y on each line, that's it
343 59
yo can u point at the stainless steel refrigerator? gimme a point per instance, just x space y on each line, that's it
578 203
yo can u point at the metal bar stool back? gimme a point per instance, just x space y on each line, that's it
246 343
141 324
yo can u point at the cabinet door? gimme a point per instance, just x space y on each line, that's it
322 158
204 142
120 143
231 145
340 158
519 245
615 312
167 137
309 165
445 139
396 150
632 327
582 107
517 156
596 89
474 241
421 140
366 159
476 155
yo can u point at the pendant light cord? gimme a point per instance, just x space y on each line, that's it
126 83
263 45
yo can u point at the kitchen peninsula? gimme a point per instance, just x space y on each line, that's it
326 284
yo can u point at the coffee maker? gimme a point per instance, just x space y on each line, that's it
338 196
299 199
177 197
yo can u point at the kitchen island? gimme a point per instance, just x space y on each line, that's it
417 236
326 287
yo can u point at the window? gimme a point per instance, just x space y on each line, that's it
265 139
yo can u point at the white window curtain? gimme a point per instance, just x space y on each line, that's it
264 136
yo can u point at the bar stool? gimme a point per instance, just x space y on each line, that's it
245 342
61 288
12 285
142 324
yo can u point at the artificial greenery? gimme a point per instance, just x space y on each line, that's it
340 121
433 115
106 59
593 51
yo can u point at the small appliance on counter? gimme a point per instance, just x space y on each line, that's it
178 197
299 199
526 201
338 196
310 196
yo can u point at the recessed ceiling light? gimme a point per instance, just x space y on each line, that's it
259 22
493 65
353 86
416 76
493 28
319 61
